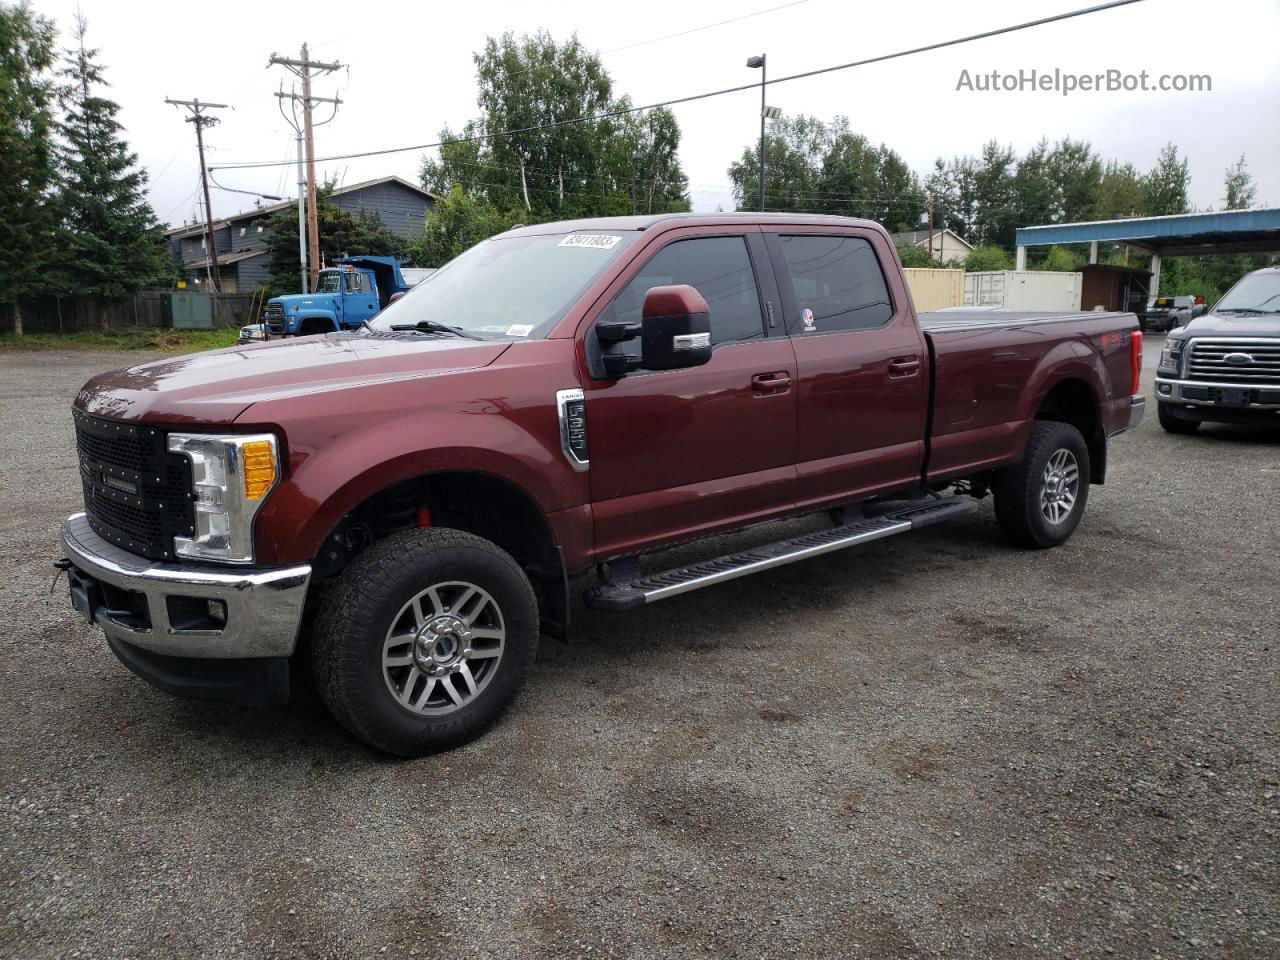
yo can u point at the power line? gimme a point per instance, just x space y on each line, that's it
705 26
608 115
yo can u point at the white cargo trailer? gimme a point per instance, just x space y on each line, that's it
1023 289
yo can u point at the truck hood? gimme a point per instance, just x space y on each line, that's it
217 386
1231 325
304 300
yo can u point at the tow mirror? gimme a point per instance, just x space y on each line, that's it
675 328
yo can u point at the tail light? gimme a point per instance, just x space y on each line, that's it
1135 360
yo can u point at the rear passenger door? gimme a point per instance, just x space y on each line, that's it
861 361
677 453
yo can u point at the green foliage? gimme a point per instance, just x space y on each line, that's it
914 256
129 338
1241 191
458 222
341 232
988 258
817 167
1061 259
572 170
112 244
27 215
1165 187
1120 192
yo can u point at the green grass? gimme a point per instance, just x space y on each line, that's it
135 338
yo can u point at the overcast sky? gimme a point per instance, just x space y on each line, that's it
409 72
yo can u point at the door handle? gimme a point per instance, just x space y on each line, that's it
769 384
904 367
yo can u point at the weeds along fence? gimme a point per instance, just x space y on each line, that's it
144 309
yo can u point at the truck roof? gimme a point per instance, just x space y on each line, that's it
650 221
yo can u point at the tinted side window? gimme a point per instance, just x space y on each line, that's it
837 279
718 267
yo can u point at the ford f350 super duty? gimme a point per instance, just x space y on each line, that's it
413 504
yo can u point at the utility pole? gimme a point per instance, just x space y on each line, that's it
201 120
758 63
305 68
929 207
294 98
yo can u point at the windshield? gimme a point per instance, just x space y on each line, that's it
330 282
1256 293
508 286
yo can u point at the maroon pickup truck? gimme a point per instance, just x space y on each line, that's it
407 508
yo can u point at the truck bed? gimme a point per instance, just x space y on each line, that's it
971 318
992 366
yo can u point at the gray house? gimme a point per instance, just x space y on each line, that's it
243 261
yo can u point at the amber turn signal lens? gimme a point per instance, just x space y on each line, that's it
259 469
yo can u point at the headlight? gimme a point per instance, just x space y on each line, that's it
1170 356
230 478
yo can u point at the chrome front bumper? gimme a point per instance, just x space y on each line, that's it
1205 393
263 606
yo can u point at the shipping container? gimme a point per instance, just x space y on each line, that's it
1023 289
935 289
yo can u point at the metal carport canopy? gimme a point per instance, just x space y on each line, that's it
1227 231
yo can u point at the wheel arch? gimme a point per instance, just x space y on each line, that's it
480 502
314 323
1074 399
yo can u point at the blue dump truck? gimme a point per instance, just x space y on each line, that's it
347 294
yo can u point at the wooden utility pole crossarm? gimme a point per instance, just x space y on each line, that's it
305 68
197 116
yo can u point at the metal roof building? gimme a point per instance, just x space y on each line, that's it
1185 234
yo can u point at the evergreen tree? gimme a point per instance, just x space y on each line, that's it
26 156
1165 187
1240 188
1077 172
112 244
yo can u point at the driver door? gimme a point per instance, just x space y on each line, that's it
679 453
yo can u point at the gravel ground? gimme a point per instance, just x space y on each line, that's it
934 746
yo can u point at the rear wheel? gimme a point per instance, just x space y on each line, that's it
1175 424
425 640
1039 502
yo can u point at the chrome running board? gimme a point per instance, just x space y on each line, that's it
650 588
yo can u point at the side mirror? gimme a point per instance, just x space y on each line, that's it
675 328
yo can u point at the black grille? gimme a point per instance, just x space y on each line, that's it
136 494
273 319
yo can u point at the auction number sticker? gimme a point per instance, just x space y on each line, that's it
595 241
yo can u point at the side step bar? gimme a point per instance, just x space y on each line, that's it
650 588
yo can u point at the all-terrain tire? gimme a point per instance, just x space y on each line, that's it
1172 424
1019 490
358 613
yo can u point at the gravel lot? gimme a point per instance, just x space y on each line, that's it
934 746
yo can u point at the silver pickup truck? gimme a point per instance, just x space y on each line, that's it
1224 367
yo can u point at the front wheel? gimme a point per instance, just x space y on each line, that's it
1175 424
1039 502
425 640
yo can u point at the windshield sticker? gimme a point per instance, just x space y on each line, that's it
596 241
519 329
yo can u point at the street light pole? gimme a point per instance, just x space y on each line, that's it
759 62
